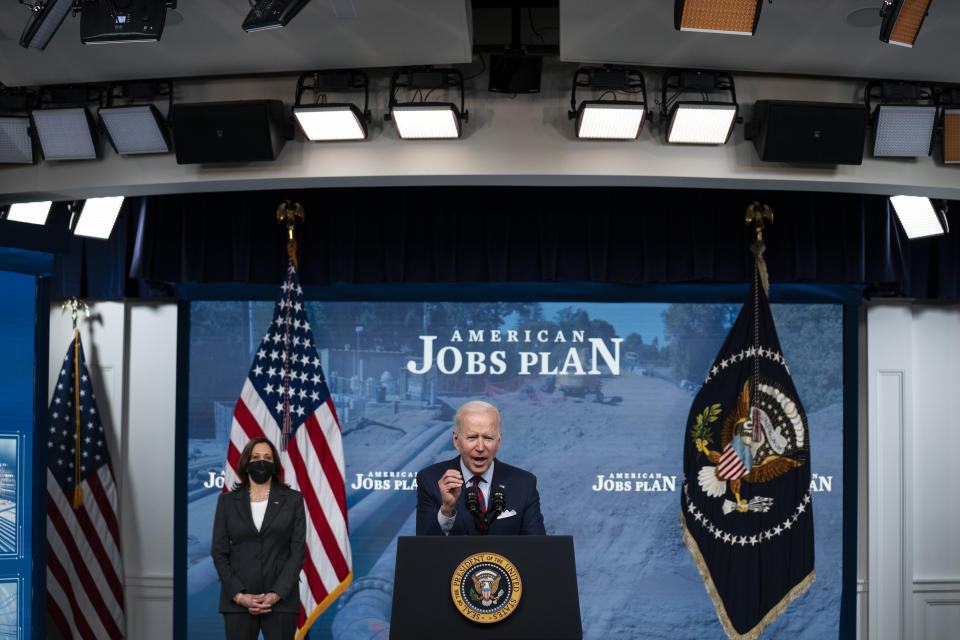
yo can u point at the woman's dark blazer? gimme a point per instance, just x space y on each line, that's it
252 561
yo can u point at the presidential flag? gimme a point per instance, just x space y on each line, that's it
84 570
285 398
745 505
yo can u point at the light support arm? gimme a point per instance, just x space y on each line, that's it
430 79
341 80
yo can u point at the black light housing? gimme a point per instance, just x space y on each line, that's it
614 119
46 17
327 121
902 20
702 121
422 119
272 14
104 21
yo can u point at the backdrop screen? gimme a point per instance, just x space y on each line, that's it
594 398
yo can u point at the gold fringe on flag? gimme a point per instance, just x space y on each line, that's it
773 614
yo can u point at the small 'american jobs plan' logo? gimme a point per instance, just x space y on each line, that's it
486 587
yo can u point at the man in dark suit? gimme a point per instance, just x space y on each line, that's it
441 509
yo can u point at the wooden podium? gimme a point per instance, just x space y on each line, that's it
423 605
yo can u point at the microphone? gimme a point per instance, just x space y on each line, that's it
498 503
471 499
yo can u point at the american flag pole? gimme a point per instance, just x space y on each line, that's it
285 398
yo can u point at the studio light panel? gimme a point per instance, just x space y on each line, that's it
97 217
426 121
610 121
30 212
904 131
700 123
16 145
903 22
330 122
951 136
737 17
44 23
65 134
135 129
917 216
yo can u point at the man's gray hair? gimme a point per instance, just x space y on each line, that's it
475 406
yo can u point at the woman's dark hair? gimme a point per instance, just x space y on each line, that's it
244 481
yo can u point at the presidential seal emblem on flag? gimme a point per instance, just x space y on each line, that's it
745 505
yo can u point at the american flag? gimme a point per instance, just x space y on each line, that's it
285 398
84 569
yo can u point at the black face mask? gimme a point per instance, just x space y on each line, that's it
260 470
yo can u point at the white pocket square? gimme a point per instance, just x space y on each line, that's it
506 514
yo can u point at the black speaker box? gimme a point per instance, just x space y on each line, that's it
515 73
230 132
808 132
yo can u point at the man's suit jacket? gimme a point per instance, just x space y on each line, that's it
252 561
521 493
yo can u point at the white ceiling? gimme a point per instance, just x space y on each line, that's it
793 37
204 38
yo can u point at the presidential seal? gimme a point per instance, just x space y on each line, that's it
486 587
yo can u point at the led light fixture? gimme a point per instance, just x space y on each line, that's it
919 217
323 121
130 21
31 212
948 100
738 17
137 128
611 119
45 19
422 119
272 14
96 217
16 143
903 121
902 20
698 122
65 133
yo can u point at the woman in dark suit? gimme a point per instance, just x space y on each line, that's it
258 548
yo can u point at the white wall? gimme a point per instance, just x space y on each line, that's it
908 557
912 573
131 353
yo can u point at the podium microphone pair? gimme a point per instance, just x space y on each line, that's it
498 502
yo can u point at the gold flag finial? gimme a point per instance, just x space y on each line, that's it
75 305
287 213
756 214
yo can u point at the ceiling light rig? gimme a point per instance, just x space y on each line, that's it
419 119
902 20
702 121
17 144
948 98
904 119
921 217
136 126
272 14
738 17
322 121
63 124
611 119
46 16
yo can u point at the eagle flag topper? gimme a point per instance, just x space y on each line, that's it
745 505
